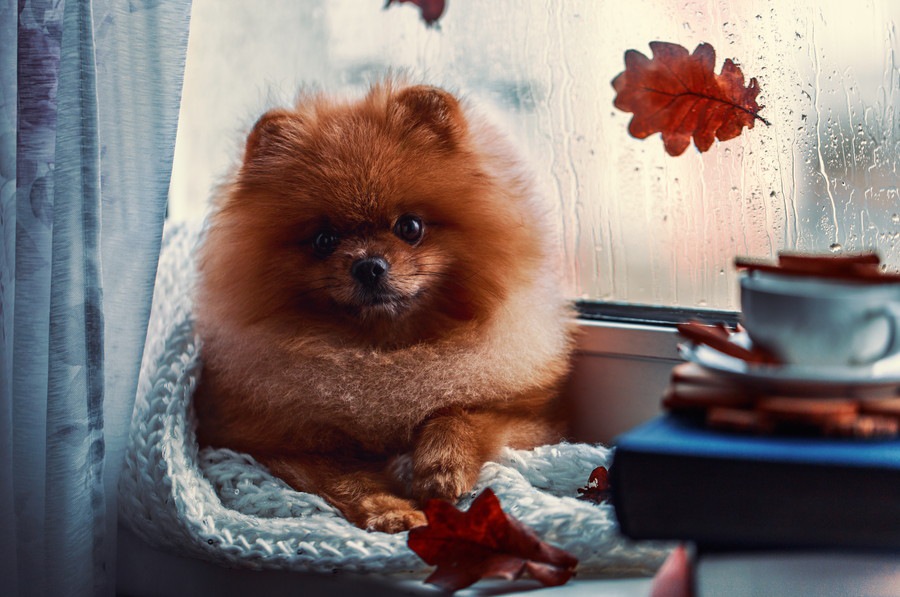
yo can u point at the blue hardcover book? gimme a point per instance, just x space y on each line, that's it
672 478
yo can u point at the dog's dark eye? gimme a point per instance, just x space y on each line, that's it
409 228
325 243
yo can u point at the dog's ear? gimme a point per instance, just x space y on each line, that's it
432 110
271 134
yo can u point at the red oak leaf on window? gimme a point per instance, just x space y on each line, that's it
484 542
431 9
678 94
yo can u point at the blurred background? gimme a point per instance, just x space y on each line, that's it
639 226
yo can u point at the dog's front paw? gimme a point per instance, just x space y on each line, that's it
387 514
443 479
447 458
396 521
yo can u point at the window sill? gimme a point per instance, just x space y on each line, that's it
620 372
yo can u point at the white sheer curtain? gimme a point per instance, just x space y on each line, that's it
90 93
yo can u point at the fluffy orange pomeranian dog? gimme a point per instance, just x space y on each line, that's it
378 303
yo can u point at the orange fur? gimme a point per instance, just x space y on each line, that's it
379 389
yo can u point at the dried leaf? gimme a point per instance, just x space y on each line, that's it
431 9
484 542
597 489
678 94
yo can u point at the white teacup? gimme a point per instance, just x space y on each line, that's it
820 322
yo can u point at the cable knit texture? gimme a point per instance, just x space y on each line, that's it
222 506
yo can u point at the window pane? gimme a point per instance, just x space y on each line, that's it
639 225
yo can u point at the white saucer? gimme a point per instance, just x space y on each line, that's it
796 379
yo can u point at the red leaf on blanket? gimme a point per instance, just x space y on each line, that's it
484 542
431 9
597 489
678 94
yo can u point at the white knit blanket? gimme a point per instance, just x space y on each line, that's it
222 506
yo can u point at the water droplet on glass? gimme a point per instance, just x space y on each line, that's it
895 218
836 247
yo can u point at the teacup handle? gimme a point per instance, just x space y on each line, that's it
891 313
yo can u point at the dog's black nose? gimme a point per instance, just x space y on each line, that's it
369 271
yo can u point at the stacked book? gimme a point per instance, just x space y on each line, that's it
675 478
768 515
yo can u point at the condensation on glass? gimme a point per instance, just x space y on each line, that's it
639 226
